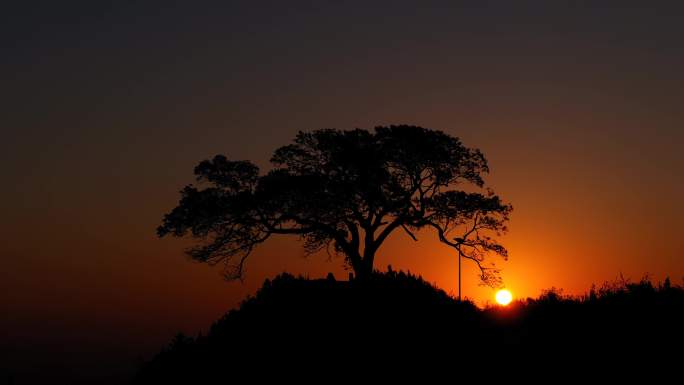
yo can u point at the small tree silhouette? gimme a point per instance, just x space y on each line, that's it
346 191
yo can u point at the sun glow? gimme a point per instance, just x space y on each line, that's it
504 297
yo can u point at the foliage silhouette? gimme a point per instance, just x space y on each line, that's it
398 317
346 191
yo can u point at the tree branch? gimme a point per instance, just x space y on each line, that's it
409 232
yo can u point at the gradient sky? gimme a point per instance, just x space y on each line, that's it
108 106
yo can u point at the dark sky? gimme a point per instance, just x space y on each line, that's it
107 107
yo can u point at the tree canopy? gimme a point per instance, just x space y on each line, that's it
345 191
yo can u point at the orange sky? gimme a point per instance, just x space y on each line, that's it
577 108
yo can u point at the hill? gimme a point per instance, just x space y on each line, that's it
296 322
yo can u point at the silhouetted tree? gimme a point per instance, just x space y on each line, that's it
345 190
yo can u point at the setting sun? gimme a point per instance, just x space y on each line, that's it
503 297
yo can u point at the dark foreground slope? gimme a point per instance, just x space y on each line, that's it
299 324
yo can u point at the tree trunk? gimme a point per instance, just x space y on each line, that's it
356 264
362 265
364 268
363 273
